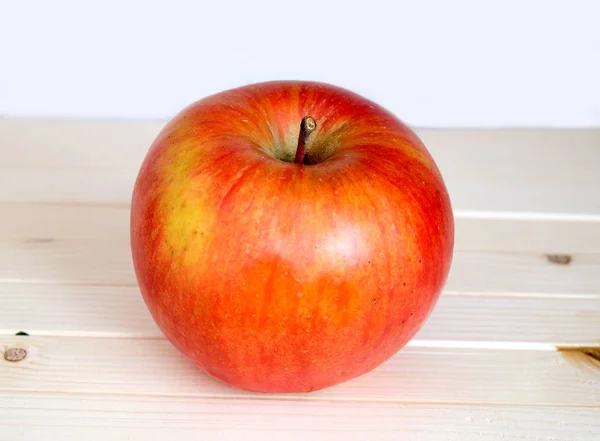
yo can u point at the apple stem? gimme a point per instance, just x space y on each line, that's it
307 126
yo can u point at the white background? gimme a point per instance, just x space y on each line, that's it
433 63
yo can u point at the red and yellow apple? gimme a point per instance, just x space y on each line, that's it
277 276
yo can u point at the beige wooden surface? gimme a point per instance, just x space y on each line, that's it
484 367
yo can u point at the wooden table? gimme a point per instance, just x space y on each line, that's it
510 353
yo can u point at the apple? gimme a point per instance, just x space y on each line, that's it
288 236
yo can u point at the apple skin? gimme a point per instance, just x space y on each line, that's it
281 277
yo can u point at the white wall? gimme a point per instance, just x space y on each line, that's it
434 63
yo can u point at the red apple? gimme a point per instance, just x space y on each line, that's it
277 276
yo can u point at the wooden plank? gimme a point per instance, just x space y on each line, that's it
84 310
42 309
543 235
32 416
102 262
519 170
475 272
541 319
527 233
122 366
490 170
89 244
